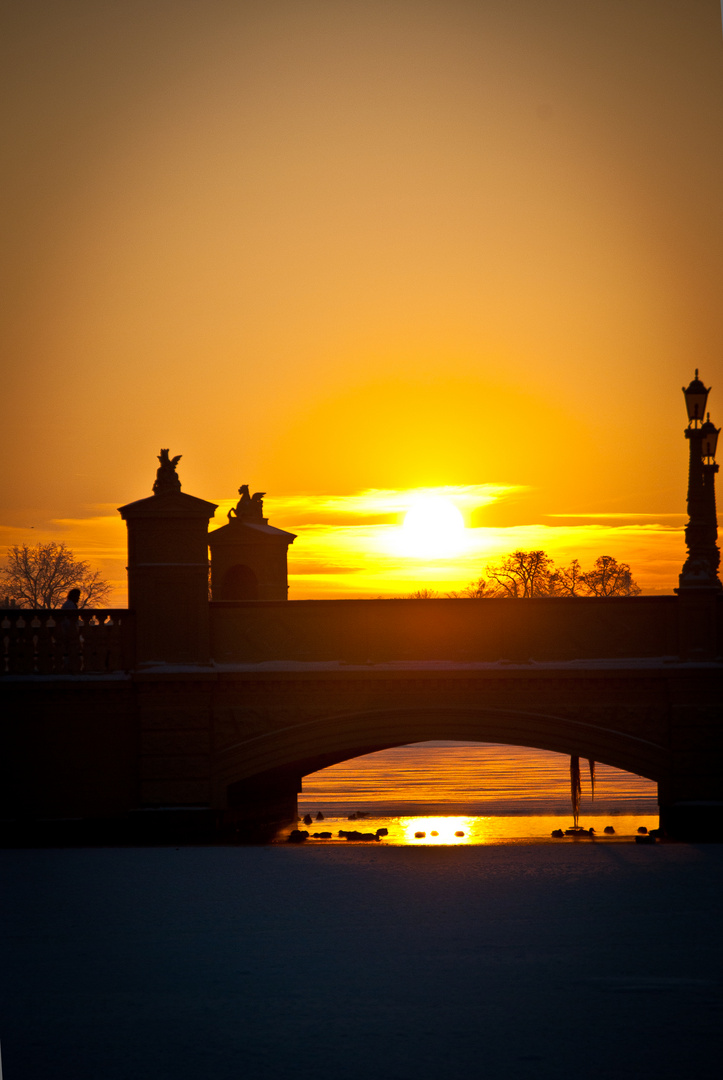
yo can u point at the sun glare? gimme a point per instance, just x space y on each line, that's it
433 527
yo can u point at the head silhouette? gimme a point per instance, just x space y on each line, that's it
74 596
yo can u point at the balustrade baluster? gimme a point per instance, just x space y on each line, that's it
69 634
115 658
6 629
55 644
21 650
110 633
93 647
44 644
113 643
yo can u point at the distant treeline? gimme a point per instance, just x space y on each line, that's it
525 574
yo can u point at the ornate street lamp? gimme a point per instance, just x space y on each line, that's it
700 570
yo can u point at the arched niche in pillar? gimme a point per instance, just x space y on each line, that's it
240 583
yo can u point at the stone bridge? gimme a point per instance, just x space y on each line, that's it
295 686
209 713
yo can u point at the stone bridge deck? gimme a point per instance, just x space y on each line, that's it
295 686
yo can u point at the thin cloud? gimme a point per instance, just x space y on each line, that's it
373 506
620 516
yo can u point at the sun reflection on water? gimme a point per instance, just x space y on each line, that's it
469 830
436 830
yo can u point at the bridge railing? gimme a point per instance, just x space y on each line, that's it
83 642
362 631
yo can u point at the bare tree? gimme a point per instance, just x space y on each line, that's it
481 589
608 577
533 573
521 574
568 580
41 577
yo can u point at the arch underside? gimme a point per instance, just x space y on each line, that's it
315 744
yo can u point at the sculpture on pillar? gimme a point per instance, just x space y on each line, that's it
249 507
167 481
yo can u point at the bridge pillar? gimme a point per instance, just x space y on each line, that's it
257 808
249 556
685 815
690 793
700 624
168 571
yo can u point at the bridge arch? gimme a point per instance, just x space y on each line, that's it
303 748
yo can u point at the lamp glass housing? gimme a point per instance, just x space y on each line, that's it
710 435
696 396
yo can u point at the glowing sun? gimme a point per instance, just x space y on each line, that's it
433 527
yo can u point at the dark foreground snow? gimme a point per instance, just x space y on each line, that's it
350 963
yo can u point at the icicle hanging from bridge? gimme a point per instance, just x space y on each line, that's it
575 787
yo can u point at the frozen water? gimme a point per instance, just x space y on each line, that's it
353 963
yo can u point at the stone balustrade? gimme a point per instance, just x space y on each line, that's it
88 641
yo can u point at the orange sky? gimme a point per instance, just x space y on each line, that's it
331 248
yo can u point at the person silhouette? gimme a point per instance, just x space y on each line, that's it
72 601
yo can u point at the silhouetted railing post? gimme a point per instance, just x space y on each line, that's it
168 572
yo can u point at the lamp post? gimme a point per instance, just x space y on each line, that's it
700 570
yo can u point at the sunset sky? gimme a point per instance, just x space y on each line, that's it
354 251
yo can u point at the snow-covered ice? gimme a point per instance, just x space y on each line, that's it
362 963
